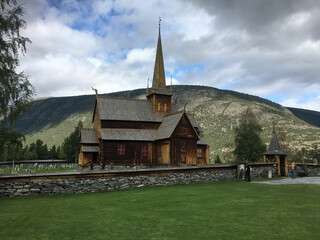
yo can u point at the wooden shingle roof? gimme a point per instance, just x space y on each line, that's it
126 110
201 141
194 123
90 149
128 134
168 125
274 146
89 136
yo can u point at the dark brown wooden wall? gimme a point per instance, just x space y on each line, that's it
184 129
129 124
162 99
202 160
185 155
133 153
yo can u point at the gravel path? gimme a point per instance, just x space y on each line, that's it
288 180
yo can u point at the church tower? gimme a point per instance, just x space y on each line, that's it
159 97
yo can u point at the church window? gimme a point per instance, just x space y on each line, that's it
159 106
144 150
199 152
121 149
165 107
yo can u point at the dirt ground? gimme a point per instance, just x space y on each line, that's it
289 180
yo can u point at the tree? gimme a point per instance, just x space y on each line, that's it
54 152
70 146
15 89
41 150
248 144
218 160
282 139
10 143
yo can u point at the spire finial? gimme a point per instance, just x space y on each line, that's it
147 86
159 81
96 91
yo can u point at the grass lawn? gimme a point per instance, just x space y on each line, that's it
224 210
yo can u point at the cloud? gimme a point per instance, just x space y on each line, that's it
257 47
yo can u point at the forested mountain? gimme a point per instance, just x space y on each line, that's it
217 111
311 117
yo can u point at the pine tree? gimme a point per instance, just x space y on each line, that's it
70 146
218 160
248 144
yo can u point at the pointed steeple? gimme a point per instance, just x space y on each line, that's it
160 97
274 146
159 79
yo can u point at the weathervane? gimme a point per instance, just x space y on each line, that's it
94 89
148 86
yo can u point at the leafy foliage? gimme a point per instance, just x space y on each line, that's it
15 88
248 144
70 146
306 155
10 143
217 160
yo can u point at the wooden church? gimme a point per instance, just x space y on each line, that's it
149 132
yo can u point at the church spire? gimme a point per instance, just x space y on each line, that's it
159 79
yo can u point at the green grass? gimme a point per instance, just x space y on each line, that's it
226 210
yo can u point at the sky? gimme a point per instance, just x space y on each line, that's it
267 48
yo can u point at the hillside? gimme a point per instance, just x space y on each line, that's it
311 117
217 111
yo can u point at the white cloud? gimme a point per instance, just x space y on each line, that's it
313 104
253 47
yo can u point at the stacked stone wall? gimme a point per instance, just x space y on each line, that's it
114 180
108 184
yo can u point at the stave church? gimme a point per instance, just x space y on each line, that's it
143 132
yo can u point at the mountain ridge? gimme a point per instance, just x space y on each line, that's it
217 111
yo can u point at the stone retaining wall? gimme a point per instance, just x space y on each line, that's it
107 181
107 184
311 169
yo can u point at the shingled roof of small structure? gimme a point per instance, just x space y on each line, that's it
126 110
274 146
201 141
89 136
194 122
128 134
90 149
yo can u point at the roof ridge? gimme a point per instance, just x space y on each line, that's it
171 114
122 98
